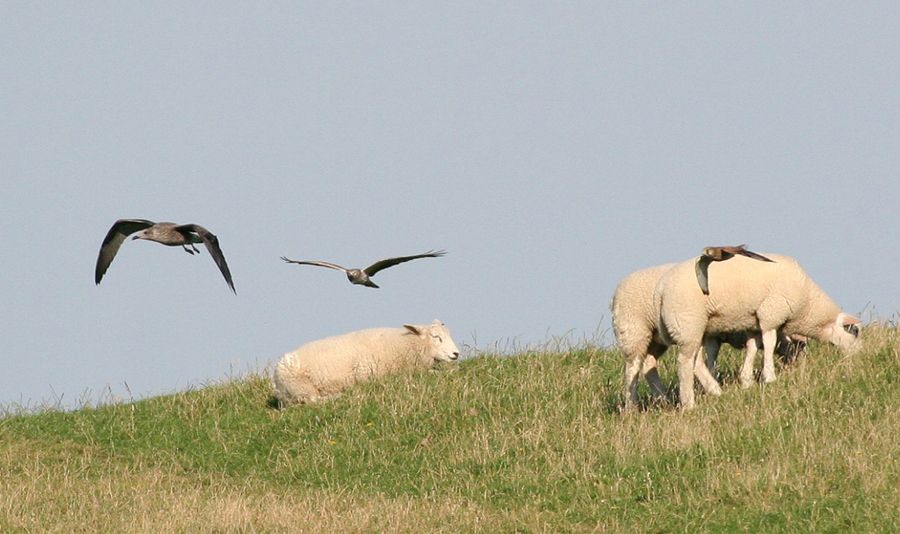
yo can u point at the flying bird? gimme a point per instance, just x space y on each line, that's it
171 234
363 276
711 254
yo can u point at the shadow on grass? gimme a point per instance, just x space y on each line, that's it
273 403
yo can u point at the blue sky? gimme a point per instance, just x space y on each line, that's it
550 148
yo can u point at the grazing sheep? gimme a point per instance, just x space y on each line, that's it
322 368
747 295
635 324
635 316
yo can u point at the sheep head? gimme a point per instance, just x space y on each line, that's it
436 338
844 332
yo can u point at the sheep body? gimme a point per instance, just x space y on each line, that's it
746 295
635 318
322 368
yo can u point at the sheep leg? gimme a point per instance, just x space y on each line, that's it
701 371
769 339
746 374
651 373
687 356
633 365
712 346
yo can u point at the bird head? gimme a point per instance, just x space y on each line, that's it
146 233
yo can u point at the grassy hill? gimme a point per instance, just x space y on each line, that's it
528 443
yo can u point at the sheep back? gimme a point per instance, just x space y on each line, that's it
744 295
635 316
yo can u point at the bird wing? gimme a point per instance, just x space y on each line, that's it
701 267
212 245
390 262
754 255
319 263
114 239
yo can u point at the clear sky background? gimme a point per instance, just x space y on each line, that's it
551 148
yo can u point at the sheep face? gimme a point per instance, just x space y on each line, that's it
844 332
436 338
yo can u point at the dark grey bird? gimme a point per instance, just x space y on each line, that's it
171 234
711 254
363 276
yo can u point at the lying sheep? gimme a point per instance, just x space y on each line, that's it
635 316
746 295
323 368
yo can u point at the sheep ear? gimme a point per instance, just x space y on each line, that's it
437 322
412 329
849 319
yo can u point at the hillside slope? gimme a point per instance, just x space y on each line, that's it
531 443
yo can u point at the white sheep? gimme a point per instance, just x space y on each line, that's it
635 320
635 316
745 295
636 327
322 368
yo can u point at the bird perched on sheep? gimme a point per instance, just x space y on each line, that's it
747 295
363 276
711 254
322 368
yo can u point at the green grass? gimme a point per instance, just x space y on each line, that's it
528 443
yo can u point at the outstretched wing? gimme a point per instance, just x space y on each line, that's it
114 239
390 262
319 263
754 255
701 267
212 245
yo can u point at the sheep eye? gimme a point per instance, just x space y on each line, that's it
852 329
